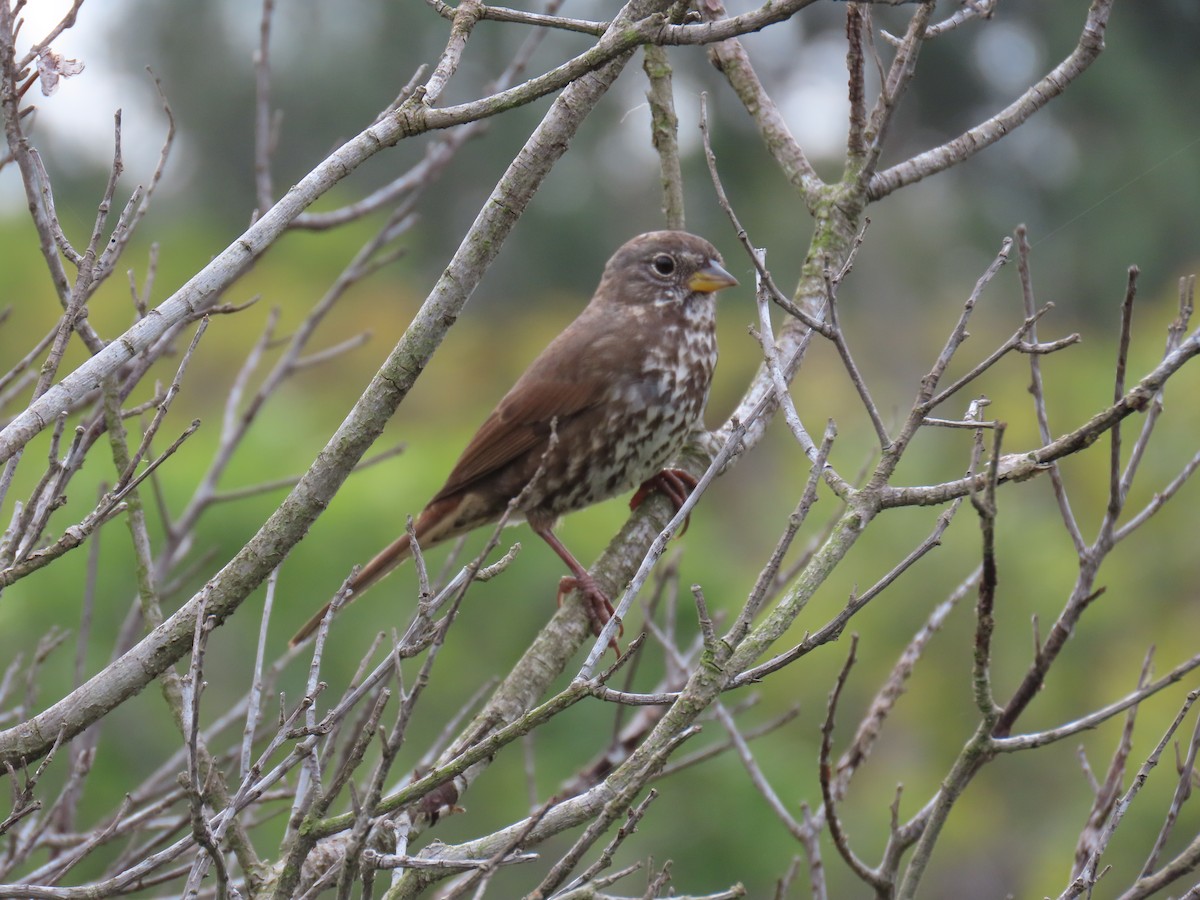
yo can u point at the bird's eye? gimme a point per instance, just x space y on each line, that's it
664 264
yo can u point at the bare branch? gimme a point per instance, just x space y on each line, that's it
1091 43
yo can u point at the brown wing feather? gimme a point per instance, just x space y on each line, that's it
560 383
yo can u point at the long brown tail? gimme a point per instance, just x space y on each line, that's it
435 524
380 565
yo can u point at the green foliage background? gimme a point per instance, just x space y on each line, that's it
1129 196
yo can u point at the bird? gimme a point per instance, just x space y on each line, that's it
603 409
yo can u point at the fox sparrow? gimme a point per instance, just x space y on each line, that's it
604 407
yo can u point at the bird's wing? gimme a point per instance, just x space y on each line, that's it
521 422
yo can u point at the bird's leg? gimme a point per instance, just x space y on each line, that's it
599 607
675 484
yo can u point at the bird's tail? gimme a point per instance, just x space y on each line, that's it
430 529
380 565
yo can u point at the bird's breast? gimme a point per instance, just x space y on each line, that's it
643 420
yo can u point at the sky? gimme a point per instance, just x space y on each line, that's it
78 118
75 126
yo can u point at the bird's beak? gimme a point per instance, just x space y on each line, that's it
712 277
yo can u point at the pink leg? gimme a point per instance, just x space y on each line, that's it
600 608
676 484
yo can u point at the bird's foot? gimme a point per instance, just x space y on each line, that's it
675 484
599 608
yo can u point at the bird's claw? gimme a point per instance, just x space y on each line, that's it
674 484
599 608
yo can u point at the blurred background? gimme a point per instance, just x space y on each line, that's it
1107 176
